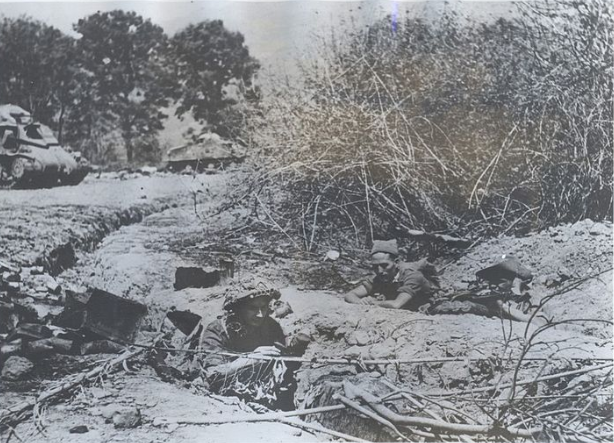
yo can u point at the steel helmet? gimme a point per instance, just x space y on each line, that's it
249 288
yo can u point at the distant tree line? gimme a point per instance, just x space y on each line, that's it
109 86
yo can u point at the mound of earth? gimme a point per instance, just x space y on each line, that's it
572 265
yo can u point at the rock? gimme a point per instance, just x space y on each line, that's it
353 352
11 348
10 276
55 299
127 418
332 255
82 429
171 427
108 411
565 273
599 229
360 338
6 267
37 270
282 308
13 286
45 310
54 287
16 368
385 349
148 170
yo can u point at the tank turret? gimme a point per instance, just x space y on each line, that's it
30 154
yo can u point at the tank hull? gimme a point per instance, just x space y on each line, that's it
209 153
31 156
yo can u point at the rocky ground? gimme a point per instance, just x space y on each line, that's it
128 236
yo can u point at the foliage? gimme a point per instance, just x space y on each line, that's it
35 68
216 71
105 91
450 126
123 77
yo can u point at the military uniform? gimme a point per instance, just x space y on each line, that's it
418 279
223 336
269 382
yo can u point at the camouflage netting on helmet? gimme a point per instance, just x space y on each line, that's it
249 288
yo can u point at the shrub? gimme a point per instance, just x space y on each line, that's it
450 126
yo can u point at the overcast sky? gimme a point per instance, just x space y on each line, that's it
275 32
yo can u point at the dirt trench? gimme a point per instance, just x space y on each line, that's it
50 227
138 261
132 250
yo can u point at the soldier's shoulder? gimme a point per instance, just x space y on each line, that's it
410 265
272 323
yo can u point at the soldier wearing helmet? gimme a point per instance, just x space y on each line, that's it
246 327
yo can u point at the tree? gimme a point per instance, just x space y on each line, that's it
212 65
36 69
123 76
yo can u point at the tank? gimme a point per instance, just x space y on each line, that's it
208 152
30 155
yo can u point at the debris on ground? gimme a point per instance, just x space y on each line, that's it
457 370
82 429
16 368
126 418
194 277
91 322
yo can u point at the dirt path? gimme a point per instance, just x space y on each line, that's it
35 223
136 261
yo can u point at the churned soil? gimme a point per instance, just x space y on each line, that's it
571 264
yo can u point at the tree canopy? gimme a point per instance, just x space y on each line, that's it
109 88
209 60
123 74
35 68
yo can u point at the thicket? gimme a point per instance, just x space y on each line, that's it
449 126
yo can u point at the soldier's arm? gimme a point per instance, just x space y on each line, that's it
213 342
358 296
413 285
402 299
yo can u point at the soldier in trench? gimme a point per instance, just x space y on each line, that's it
403 285
246 327
396 284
